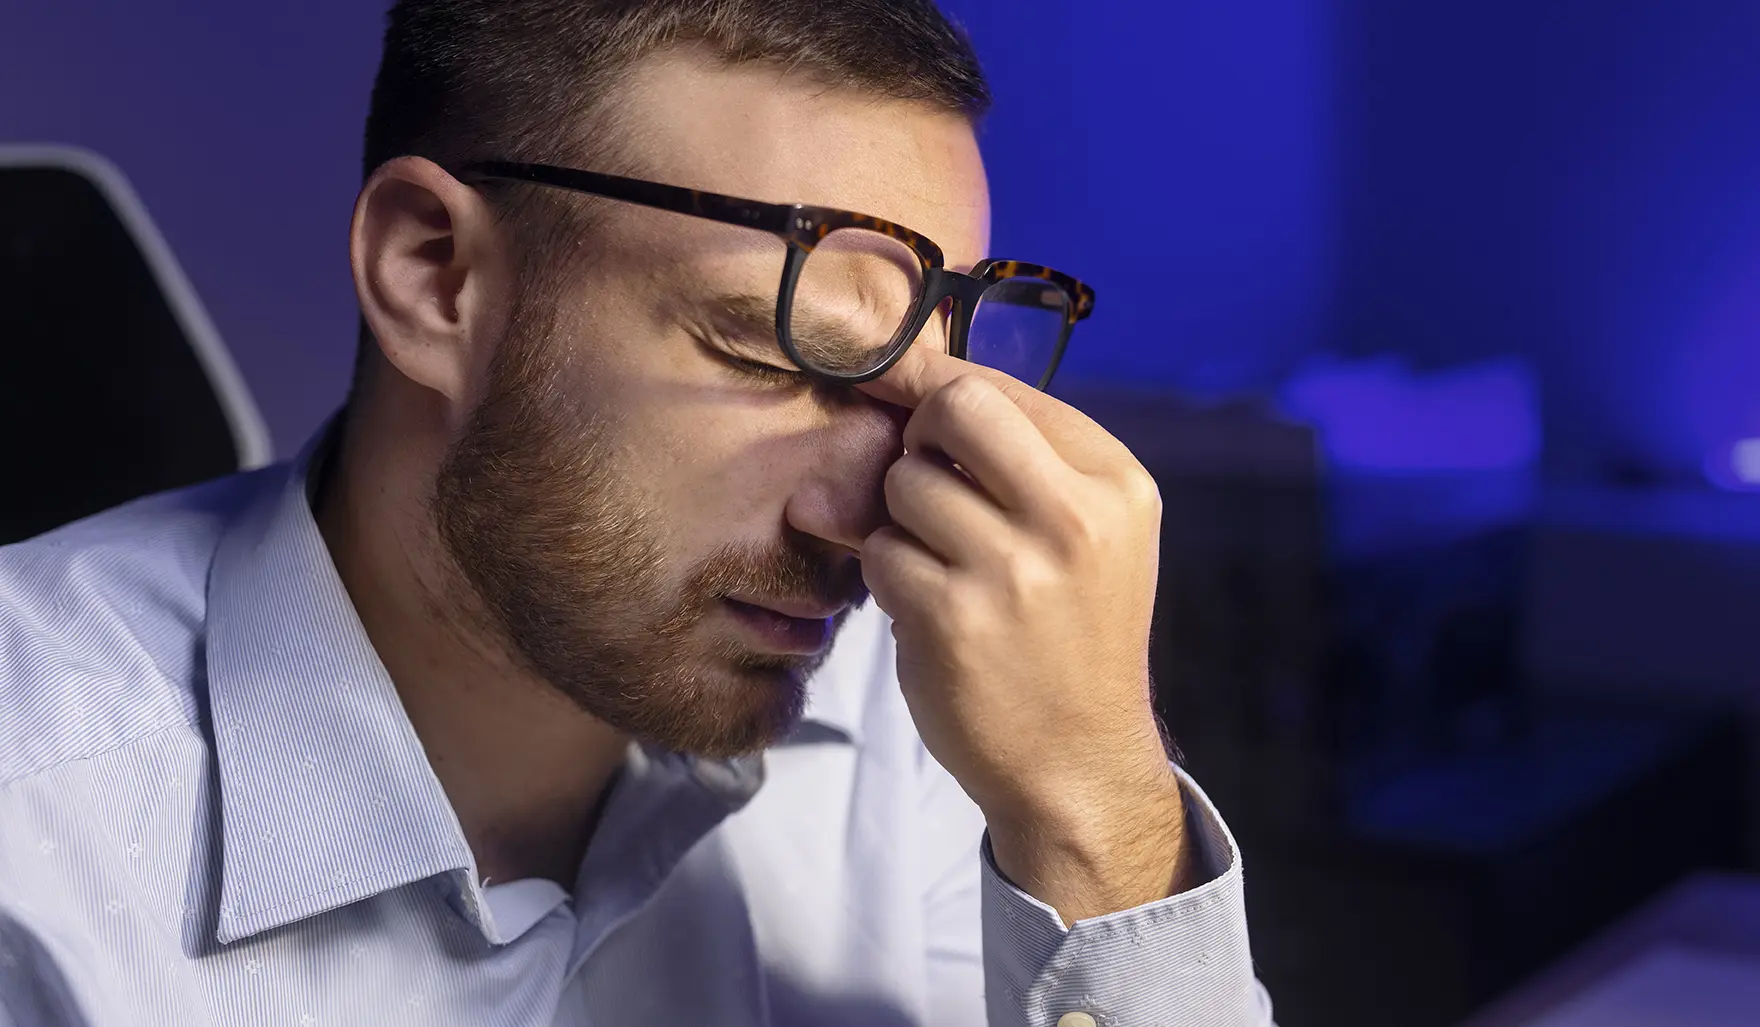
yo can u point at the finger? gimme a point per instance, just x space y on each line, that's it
923 371
944 511
902 575
992 440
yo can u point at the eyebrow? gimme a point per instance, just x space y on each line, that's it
745 312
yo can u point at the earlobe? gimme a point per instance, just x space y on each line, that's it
417 247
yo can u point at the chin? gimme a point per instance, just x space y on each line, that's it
765 706
740 707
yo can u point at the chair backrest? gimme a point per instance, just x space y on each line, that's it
113 382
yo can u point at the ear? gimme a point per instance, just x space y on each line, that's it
430 273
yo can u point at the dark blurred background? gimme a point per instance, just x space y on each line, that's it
1439 325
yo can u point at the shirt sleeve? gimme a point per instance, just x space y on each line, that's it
1180 960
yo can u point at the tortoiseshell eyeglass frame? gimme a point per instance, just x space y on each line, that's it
803 227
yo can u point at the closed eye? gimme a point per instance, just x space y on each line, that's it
741 332
766 372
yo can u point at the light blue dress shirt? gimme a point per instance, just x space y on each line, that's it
213 810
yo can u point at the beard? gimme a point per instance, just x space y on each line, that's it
562 555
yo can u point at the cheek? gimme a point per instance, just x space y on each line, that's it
717 460
726 468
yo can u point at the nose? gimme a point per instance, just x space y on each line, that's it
842 501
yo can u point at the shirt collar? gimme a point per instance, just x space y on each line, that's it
326 794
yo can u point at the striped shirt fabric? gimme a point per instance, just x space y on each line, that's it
214 811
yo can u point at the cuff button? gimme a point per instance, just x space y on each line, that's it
1076 1020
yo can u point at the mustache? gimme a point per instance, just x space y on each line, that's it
789 571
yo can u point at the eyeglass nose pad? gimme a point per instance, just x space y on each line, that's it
945 320
952 309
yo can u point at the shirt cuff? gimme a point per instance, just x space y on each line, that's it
1182 959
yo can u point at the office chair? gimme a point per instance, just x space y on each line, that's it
113 382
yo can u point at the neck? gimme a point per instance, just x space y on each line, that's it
524 768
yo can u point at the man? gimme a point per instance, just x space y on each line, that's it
513 699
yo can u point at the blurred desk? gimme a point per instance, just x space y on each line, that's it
1717 914
1416 899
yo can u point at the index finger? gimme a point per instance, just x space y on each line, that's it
923 370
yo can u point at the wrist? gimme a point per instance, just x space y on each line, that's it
1091 797
1096 852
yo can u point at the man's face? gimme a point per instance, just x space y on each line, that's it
666 536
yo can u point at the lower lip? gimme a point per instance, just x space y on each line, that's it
781 634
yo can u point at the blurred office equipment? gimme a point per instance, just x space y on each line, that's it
1650 592
113 383
1647 590
1343 648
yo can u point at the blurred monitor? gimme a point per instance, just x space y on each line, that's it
113 383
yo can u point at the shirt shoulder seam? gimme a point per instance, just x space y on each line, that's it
62 759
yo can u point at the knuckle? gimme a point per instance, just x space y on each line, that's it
964 617
1086 530
1139 489
1078 525
964 396
1031 580
897 473
884 571
971 615
901 477
878 548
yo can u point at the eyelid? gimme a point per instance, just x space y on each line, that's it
720 336
729 350
769 372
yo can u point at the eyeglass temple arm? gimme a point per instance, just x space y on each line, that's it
768 217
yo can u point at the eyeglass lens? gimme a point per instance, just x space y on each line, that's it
857 290
1017 327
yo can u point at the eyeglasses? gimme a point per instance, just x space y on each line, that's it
856 290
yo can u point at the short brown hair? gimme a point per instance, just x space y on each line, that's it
504 79
463 80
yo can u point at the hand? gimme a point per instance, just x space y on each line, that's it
1019 572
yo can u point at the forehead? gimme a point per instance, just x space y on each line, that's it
757 131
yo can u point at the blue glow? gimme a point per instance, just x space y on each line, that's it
1736 467
1179 158
1379 415
1717 385
1745 459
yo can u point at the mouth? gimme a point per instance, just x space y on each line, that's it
787 627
